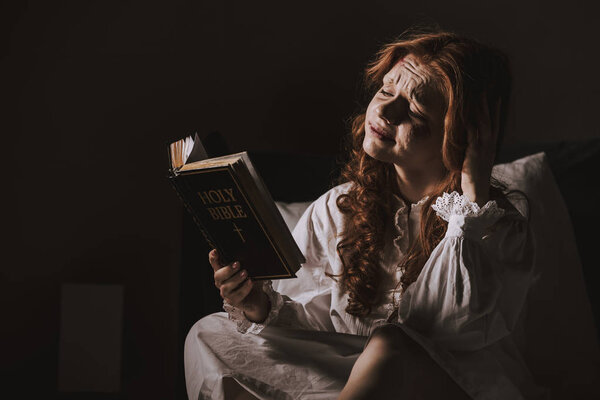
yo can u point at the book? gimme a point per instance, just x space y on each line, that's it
234 210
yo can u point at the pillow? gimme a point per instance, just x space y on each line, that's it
291 212
559 333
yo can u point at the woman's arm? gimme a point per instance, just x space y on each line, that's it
474 284
472 288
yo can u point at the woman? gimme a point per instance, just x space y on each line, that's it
416 249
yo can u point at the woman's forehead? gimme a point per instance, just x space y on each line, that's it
419 82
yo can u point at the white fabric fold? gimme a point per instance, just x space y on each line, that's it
468 295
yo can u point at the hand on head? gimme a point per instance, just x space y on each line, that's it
482 136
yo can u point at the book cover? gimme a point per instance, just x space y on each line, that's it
230 221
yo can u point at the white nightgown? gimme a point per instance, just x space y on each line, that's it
465 309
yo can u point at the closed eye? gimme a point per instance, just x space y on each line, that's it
410 112
415 115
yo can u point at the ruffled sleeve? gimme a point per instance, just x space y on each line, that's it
472 288
303 302
244 325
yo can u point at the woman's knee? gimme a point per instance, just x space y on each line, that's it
384 349
206 325
390 349
389 337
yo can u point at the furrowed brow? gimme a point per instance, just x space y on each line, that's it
415 94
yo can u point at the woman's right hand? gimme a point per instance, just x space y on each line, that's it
238 290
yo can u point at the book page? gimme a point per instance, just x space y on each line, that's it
197 152
212 162
180 151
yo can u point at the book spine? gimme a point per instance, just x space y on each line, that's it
247 172
180 192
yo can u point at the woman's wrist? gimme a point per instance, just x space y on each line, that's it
476 192
480 198
259 312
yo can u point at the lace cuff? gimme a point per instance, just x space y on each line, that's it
464 217
244 325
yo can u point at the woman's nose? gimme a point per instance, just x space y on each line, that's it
394 110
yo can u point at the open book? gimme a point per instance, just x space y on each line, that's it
234 210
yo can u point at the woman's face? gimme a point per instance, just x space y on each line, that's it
404 120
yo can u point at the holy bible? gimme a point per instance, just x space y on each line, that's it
234 210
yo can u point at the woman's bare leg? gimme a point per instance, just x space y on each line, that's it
393 365
376 371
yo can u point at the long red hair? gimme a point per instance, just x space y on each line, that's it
466 69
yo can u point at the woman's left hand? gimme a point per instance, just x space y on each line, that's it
480 154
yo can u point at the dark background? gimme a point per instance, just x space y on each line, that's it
93 90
